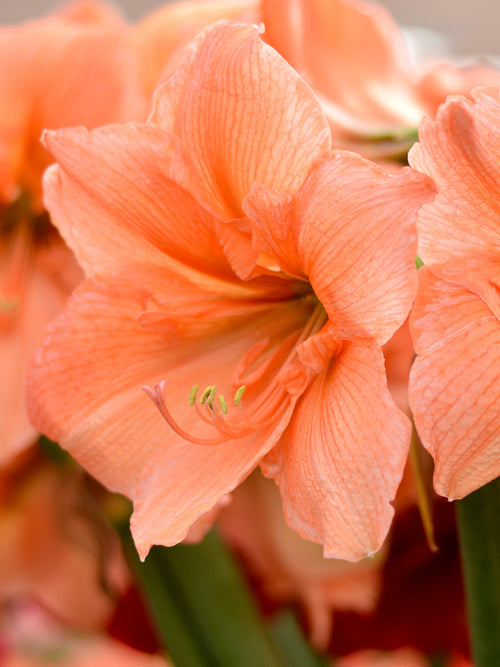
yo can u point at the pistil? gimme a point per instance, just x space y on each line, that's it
270 395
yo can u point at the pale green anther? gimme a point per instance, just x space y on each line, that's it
206 393
211 395
223 404
192 394
239 395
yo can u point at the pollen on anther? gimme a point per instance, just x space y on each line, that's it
206 393
223 404
239 395
211 395
192 394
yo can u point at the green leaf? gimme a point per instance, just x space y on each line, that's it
201 607
479 532
294 648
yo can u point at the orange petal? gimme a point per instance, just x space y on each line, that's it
351 232
162 37
40 300
185 481
341 459
91 12
455 384
460 151
85 390
243 114
62 70
445 79
399 355
353 56
114 188
51 539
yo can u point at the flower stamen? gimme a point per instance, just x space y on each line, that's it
157 395
208 394
192 394
239 395
268 400
223 404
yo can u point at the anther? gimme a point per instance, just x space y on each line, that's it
223 404
192 394
206 394
239 395
211 395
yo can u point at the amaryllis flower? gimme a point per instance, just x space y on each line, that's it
70 68
248 276
351 53
455 381
57 548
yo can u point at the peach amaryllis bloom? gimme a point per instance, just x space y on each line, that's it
351 52
57 548
226 247
70 68
353 55
455 381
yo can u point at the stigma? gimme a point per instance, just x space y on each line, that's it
212 409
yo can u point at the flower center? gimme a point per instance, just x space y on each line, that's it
267 381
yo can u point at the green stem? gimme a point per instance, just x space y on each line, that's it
201 607
294 648
479 532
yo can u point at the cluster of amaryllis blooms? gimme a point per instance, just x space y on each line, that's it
250 241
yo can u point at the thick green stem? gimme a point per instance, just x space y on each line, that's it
479 531
294 648
200 605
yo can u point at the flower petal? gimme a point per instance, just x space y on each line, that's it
51 275
243 114
85 390
353 55
445 78
184 481
50 542
341 459
161 38
113 189
351 232
455 384
62 70
460 150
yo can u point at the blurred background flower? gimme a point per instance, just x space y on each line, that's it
463 27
